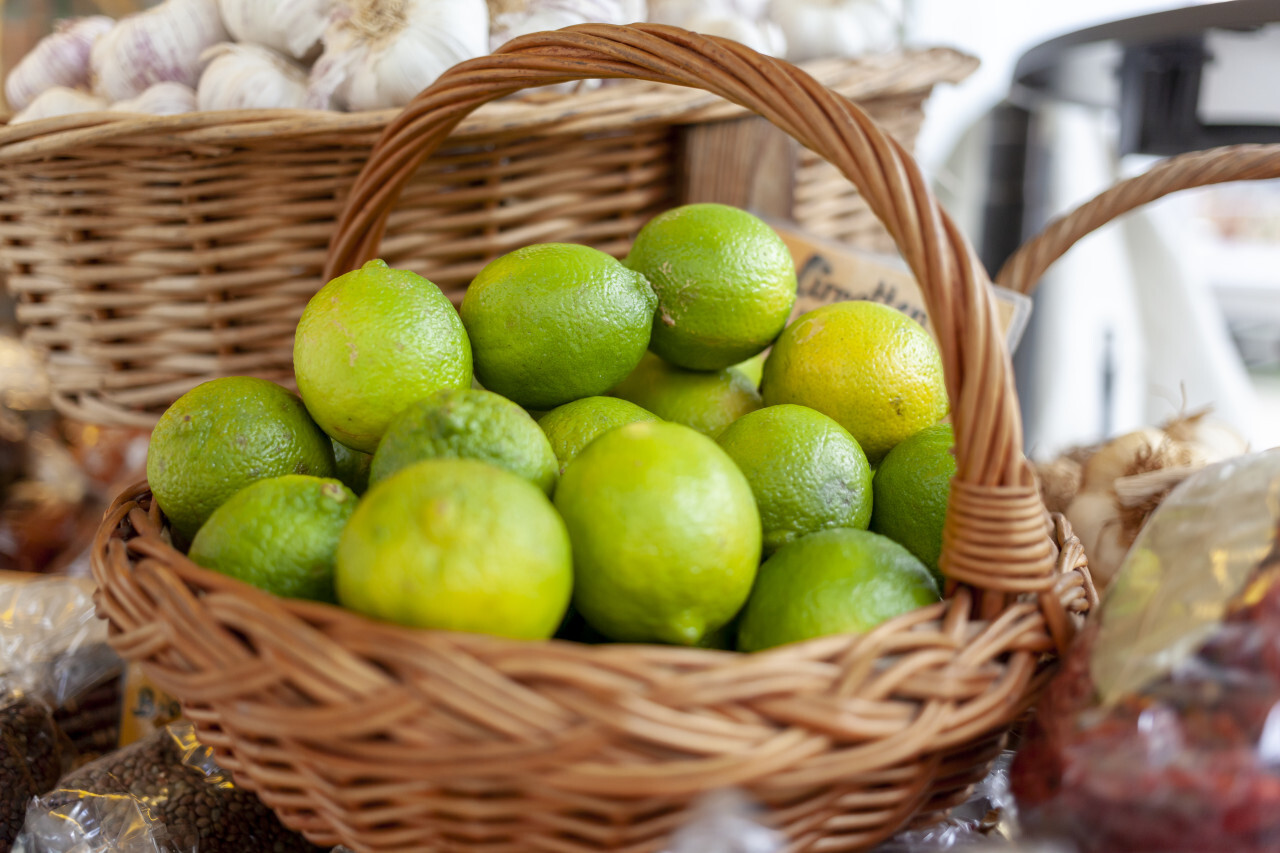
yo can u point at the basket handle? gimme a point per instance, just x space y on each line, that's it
1025 268
997 538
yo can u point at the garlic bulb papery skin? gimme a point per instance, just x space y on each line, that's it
162 99
59 59
678 13
59 101
163 44
821 28
291 27
535 16
250 77
761 36
378 54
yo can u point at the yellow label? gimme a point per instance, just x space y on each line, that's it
145 707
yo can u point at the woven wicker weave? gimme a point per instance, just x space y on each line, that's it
148 255
391 739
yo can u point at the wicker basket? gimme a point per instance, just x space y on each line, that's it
391 739
150 255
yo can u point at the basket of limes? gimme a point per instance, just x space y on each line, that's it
587 567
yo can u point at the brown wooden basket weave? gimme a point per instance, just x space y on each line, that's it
148 255
390 739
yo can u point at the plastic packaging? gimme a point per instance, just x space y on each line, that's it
53 647
165 791
1162 731
724 822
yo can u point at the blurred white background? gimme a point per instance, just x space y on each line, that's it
1174 307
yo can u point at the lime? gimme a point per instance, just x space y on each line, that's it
752 368
666 537
832 582
467 424
911 488
351 467
279 535
223 435
555 322
725 283
706 401
371 342
457 545
805 470
873 369
573 426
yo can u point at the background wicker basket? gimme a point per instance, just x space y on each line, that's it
148 255
391 739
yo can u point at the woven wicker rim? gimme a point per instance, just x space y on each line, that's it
1024 269
638 103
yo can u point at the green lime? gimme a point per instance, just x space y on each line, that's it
457 545
706 401
573 426
666 537
467 424
371 342
279 535
725 283
873 369
352 467
832 582
223 435
556 322
752 368
805 470
912 486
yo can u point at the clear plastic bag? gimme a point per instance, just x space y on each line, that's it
54 648
1162 731
165 791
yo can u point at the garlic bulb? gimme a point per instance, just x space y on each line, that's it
762 36
59 101
162 99
159 45
250 77
380 53
678 13
1126 479
818 28
59 59
513 18
291 27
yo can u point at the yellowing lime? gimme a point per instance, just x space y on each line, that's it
223 435
556 322
725 283
457 545
706 401
470 424
833 582
371 342
666 537
279 535
573 426
911 488
805 470
871 368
